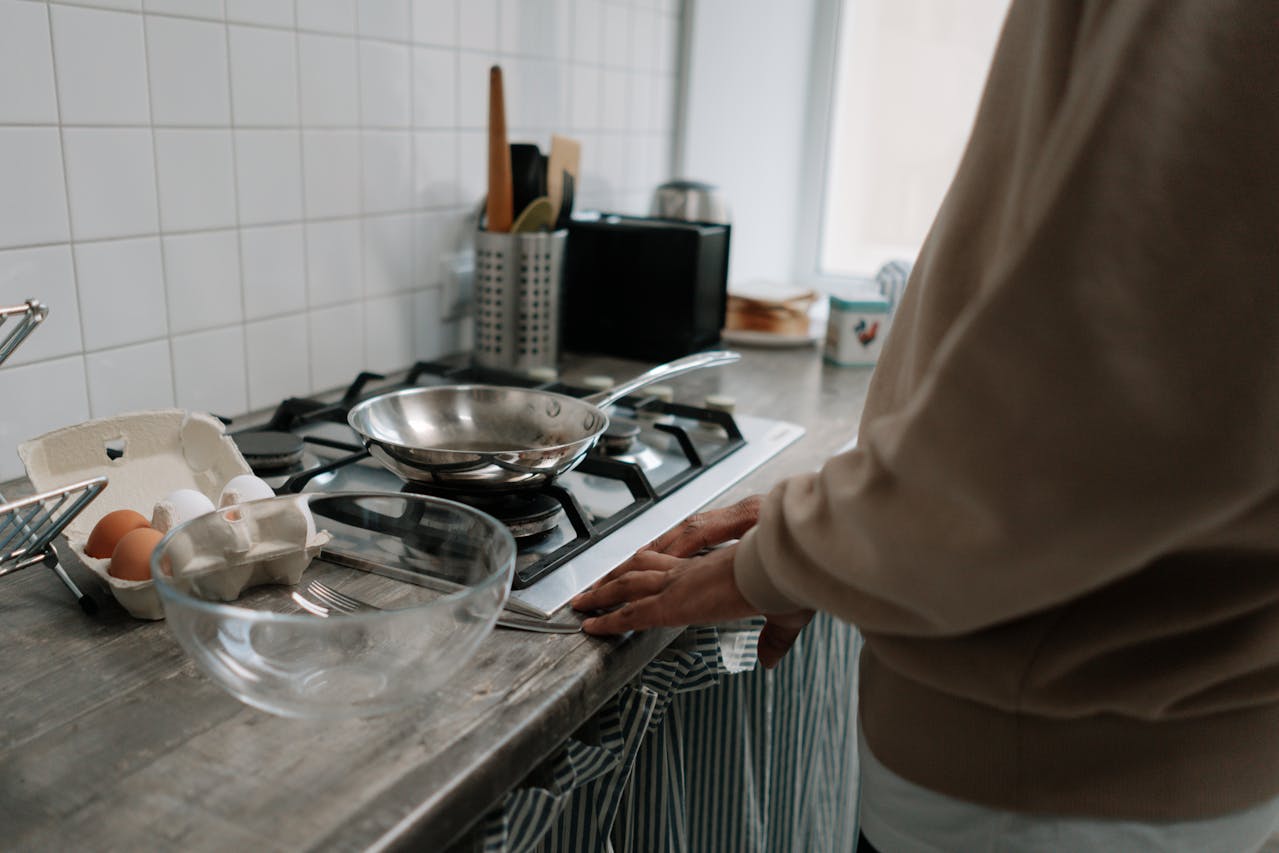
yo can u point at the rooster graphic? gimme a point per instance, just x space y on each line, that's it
866 334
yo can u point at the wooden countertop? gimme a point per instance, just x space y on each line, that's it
112 739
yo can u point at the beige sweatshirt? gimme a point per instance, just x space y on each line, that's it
1060 529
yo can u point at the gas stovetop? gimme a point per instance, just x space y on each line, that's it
658 463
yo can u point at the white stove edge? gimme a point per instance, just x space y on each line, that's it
765 438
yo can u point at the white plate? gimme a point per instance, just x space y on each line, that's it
751 338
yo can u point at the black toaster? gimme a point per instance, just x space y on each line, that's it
644 288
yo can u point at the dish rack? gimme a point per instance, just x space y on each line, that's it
28 526
31 315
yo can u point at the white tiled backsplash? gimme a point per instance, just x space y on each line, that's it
226 202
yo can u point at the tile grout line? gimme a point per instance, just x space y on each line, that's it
66 189
235 192
306 230
159 214
359 153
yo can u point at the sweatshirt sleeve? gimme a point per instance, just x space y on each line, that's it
1109 391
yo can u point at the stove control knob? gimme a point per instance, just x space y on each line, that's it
665 393
721 403
544 374
662 394
598 383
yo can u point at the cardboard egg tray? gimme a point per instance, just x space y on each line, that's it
158 453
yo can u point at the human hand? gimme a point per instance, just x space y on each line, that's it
671 582
706 530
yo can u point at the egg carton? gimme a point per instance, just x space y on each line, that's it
147 456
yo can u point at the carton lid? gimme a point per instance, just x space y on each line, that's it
161 451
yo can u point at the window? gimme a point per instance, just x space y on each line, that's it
904 86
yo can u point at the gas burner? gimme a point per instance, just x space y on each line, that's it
620 436
527 514
640 454
268 451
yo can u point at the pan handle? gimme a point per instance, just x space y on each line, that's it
688 363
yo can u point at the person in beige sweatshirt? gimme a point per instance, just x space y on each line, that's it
1059 531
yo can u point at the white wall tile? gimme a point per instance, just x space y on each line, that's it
274 261
388 19
111 181
31 170
46 274
208 371
32 409
268 167
197 180
435 164
122 298
388 254
473 89
330 16
337 345
388 170
264 77
202 279
529 27
187 65
435 21
388 333
616 44
437 237
277 355
187 8
100 59
428 325
643 103
130 379
472 167
272 13
334 262
588 31
434 87
477 24
644 34
329 75
26 64
331 171
587 98
617 92
385 85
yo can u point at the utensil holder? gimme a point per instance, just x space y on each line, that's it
518 279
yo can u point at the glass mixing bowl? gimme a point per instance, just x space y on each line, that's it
236 589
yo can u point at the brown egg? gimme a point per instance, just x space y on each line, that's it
110 529
132 558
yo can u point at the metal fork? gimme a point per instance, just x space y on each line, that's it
324 601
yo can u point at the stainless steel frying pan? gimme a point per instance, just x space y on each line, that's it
495 437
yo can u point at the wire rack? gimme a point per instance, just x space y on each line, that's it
29 526
29 316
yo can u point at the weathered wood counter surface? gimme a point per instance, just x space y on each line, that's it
111 740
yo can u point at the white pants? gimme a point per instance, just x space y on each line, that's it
898 816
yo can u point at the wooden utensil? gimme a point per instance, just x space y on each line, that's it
535 217
566 156
500 206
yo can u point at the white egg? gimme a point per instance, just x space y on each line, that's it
243 488
178 507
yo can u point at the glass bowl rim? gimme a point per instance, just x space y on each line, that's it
503 576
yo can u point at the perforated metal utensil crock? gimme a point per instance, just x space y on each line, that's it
517 291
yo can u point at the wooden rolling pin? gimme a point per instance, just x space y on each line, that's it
500 209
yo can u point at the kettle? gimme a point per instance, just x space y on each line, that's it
692 201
